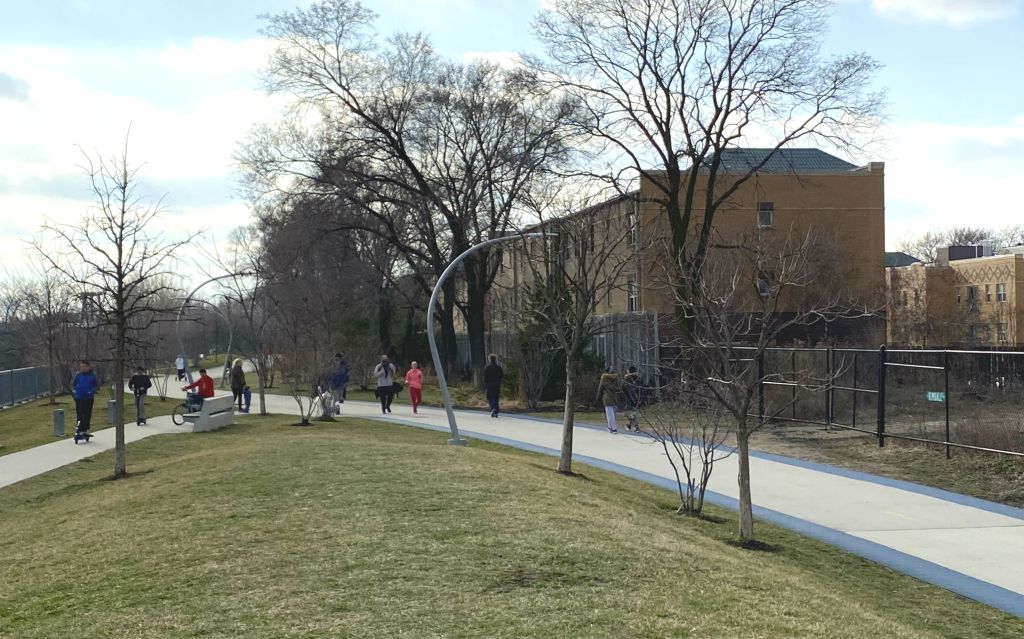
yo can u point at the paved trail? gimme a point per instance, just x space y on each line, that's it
970 546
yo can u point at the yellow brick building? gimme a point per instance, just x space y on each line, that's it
974 302
797 192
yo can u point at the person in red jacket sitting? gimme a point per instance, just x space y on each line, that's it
205 385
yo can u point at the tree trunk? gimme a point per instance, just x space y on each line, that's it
120 469
261 375
450 349
565 458
384 313
51 386
476 329
746 528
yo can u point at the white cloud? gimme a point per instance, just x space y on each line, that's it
188 107
955 12
953 175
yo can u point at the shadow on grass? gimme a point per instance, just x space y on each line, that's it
755 546
128 475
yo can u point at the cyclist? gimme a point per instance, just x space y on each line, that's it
205 385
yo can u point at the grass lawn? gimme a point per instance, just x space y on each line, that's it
31 424
361 529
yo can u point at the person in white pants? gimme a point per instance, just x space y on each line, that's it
608 393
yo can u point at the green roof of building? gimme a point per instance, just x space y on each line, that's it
896 259
783 161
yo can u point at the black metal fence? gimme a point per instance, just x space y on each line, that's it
971 400
22 384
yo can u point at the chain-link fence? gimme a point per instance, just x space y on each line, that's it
22 384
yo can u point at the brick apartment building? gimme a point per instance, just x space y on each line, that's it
797 192
970 297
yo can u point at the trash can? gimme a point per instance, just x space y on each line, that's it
58 422
111 411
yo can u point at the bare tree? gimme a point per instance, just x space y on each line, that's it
246 289
110 256
574 267
49 304
925 247
754 293
436 155
691 432
670 86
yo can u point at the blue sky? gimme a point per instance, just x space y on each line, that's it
183 72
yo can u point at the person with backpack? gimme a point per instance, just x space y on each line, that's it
237 382
493 374
385 374
179 365
608 394
83 391
139 384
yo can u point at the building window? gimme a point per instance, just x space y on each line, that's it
957 289
972 295
633 296
765 215
765 283
1002 334
1000 292
988 294
631 231
917 296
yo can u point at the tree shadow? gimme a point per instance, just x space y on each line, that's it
754 545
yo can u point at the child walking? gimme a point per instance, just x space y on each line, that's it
414 380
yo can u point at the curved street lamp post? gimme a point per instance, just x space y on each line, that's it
456 440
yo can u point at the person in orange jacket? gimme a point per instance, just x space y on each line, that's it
414 380
205 387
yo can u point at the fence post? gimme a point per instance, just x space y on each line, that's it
855 387
760 387
792 379
881 396
828 388
945 396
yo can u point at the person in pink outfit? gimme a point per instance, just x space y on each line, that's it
414 380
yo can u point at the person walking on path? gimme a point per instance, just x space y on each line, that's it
179 365
414 380
339 380
237 382
140 384
631 389
385 374
608 393
83 391
493 375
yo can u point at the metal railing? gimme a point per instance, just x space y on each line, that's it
22 384
956 399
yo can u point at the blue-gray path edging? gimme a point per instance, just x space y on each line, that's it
959 583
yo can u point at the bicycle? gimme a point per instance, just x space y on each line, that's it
192 403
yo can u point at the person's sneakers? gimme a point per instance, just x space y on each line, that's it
494 413
613 430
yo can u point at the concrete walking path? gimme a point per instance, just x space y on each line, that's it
970 546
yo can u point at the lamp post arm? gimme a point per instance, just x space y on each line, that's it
441 381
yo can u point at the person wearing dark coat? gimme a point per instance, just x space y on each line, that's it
139 384
493 375
237 382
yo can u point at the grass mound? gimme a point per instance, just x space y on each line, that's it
360 529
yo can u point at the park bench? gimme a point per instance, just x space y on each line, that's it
216 412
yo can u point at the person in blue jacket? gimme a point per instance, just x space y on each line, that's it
339 379
83 390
